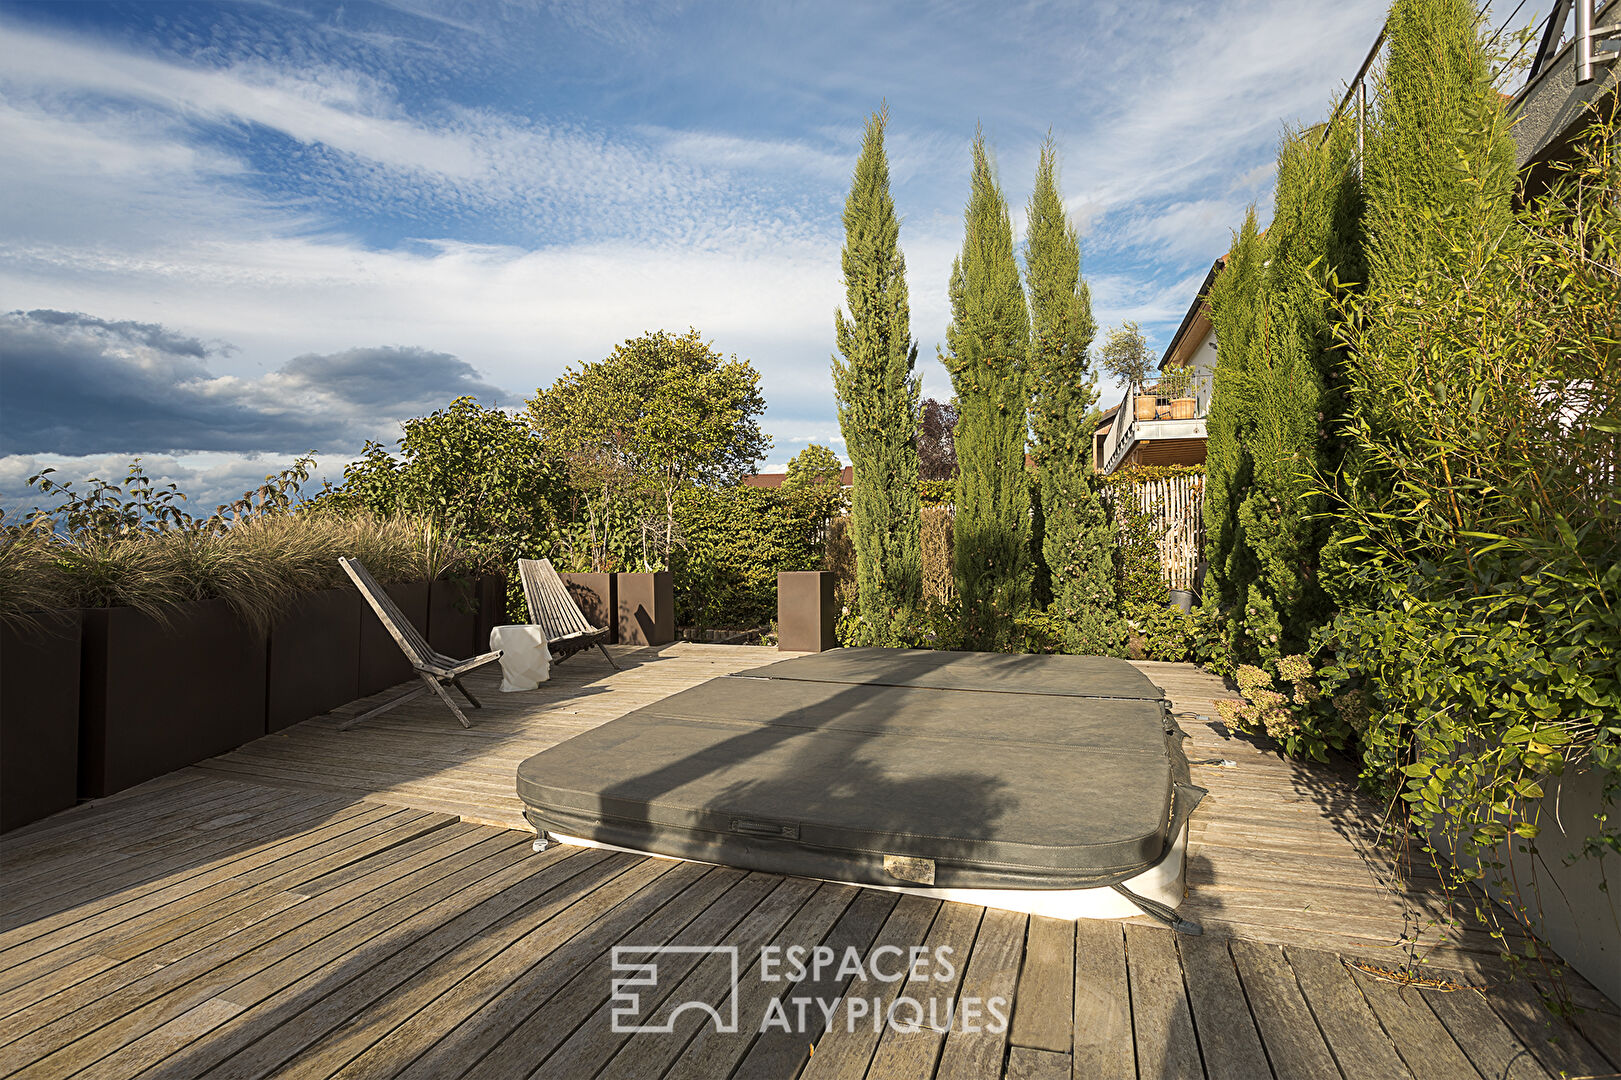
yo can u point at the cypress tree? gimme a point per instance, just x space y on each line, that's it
1076 543
1268 432
877 390
1439 159
1439 131
988 342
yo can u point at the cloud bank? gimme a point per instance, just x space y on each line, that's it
77 384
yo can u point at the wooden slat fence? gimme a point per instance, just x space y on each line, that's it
1177 503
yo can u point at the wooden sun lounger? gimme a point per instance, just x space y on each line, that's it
436 669
553 610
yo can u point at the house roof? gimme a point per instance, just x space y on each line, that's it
775 479
1195 311
1108 417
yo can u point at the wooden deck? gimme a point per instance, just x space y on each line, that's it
362 904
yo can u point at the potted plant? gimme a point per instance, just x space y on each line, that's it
39 679
1125 356
1176 383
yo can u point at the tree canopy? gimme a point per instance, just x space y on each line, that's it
660 413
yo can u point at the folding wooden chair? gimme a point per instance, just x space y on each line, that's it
436 669
553 610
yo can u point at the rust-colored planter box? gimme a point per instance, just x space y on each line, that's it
453 616
492 610
598 598
646 606
382 664
39 718
805 615
160 695
314 662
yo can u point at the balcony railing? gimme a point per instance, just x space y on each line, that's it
1172 395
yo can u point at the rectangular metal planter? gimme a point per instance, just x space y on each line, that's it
382 664
598 598
453 616
492 609
314 664
160 695
39 718
805 614
646 608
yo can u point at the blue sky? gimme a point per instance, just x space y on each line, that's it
235 232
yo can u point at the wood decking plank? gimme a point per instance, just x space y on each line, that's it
122 930
911 1047
103 924
64 896
1161 1019
1417 1034
445 1003
561 1011
167 1049
712 1053
1023 1063
1043 1013
179 958
845 1052
1289 1033
286 1024
1228 1040
975 1047
709 980
777 1053
1360 1046
1494 1050
1555 1043
89 1033
1103 1035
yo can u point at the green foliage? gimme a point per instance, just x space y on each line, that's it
1270 409
1438 134
736 540
1139 571
134 545
1162 632
877 390
1481 609
1075 545
813 465
988 342
1287 704
480 476
935 492
1125 355
658 415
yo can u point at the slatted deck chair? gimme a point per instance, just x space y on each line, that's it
553 610
436 669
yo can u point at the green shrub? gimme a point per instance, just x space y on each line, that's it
133 545
734 540
1287 704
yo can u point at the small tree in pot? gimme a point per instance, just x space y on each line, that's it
1126 357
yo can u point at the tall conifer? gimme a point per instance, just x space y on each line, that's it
877 390
988 343
1271 412
1077 541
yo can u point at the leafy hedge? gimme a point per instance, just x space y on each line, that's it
735 540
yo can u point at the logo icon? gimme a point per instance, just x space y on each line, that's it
630 975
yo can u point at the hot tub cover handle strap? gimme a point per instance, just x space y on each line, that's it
1159 911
